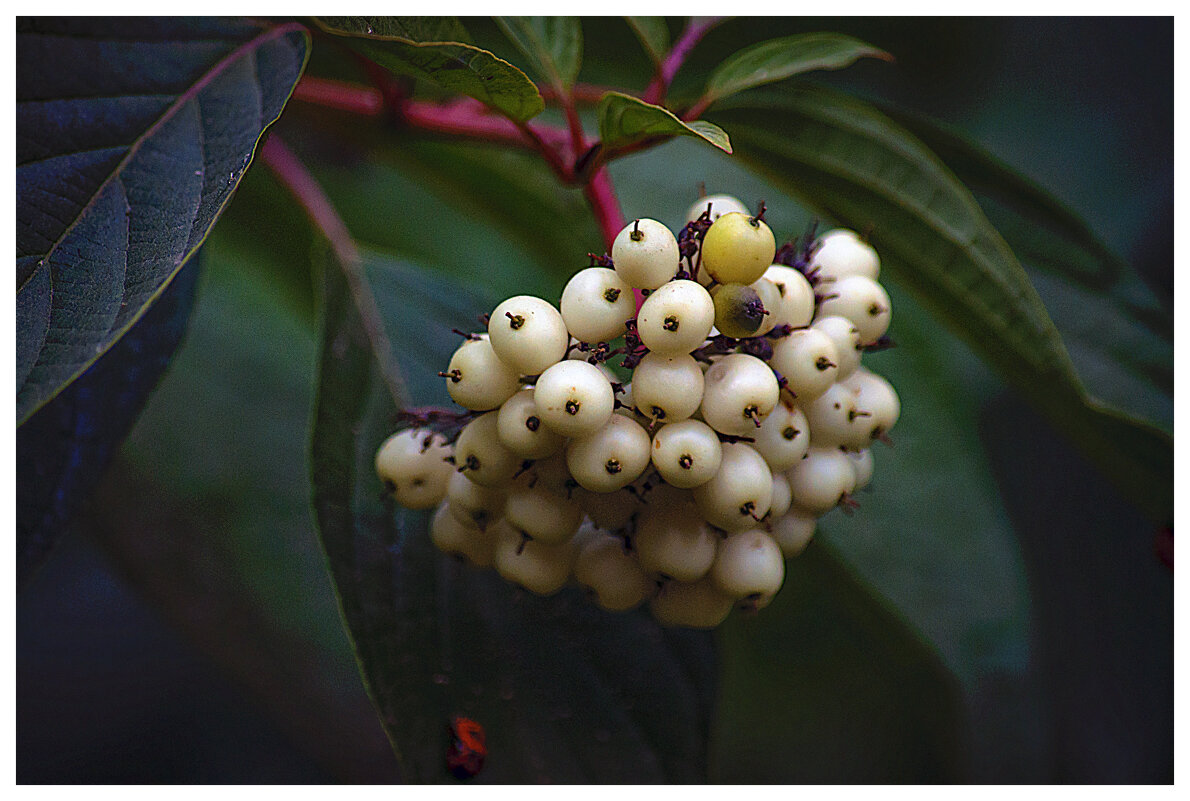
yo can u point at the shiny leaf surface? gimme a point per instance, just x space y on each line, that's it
624 119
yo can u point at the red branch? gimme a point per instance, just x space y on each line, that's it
602 198
697 28
318 207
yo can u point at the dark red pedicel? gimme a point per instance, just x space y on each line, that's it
468 747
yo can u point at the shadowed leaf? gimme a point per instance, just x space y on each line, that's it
553 45
653 34
565 691
849 162
63 449
122 168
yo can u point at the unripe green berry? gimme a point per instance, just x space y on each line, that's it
739 310
738 248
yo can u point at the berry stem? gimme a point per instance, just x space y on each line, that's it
306 190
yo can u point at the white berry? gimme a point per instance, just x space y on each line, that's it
645 254
610 457
412 464
676 318
740 391
521 430
528 334
596 304
667 388
687 453
862 301
841 253
740 493
573 398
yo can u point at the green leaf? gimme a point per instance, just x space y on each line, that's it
852 164
777 59
455 66
123 166
414 29
565 692
624 119
653 34
553 45
1049 233
826 685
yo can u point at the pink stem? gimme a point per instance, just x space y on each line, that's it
318 207
695 30
601 196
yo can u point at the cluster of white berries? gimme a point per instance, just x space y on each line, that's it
747 416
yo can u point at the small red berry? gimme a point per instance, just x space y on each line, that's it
468 747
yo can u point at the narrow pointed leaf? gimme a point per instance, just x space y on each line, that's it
653 34
777 59
624 119
455 66
565 691
553 45
854 165
131 137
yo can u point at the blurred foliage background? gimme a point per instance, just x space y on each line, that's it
197 638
